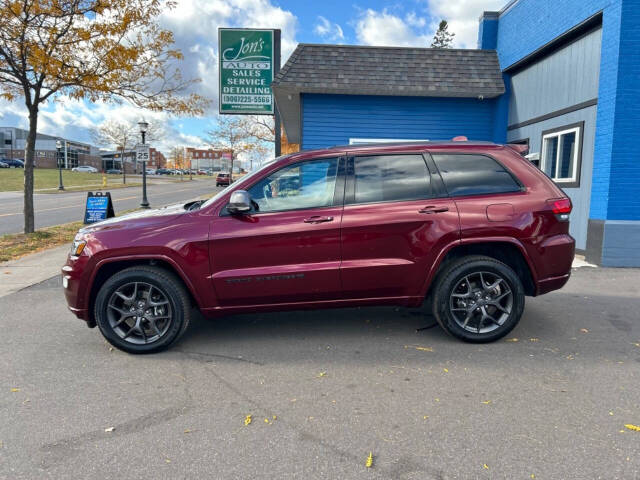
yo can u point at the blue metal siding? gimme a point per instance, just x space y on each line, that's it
566 78
334 119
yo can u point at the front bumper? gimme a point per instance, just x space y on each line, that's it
75 284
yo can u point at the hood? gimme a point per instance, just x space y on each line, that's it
139 218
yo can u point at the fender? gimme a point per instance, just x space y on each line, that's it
468 241
158 256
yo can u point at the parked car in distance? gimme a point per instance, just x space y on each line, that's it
114 171
85 168
464 230
151 171
13 162
163 171
201 172
223 179
3 165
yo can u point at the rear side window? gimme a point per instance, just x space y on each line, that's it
387 178
474 175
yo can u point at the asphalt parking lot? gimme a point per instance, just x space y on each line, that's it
326 388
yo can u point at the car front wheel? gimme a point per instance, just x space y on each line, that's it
142 309
478 299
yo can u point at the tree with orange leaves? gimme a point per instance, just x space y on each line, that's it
96 50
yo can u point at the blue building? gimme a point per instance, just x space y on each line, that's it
561 76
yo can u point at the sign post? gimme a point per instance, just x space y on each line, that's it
142 155
248 60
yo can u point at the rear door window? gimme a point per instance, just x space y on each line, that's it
385 178
465 174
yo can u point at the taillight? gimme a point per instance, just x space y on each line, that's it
561 207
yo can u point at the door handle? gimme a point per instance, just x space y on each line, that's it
318 219
433 209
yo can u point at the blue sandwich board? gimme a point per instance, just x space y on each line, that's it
99 207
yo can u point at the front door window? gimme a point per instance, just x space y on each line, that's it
298 186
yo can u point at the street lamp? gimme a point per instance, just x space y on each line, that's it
143 130
58 148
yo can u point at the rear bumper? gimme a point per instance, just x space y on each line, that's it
554 283
555 257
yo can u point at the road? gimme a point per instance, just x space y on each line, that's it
55 208
324 389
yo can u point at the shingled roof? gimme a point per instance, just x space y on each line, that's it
350 69
362 70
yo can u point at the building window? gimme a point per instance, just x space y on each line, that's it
561 154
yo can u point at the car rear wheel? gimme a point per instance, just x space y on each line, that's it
478 299
142 309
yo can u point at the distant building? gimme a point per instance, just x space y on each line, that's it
13 143
113 159
216 160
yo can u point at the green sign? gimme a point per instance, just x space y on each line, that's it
246 70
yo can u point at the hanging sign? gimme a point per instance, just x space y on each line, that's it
245 73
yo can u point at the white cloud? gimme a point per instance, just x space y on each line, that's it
462 16
328 30
386 29
414 20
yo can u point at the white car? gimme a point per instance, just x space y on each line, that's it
151 171
85 168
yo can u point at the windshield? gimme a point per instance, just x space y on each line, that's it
266 164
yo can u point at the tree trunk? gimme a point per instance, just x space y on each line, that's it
29 220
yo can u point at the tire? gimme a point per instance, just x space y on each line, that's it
473 313
121 298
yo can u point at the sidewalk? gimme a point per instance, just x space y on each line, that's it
26 271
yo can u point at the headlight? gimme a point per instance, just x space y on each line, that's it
78 246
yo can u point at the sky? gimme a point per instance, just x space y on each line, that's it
195 24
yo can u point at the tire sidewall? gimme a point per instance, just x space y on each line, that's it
451 279
167 288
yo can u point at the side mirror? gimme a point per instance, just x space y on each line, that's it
239 203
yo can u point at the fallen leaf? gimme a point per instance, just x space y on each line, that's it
487 402
167 460
584 330
186 430
637 344
424 417
534 339
247 420
15 390
511 339
423 349
610 413
7 273
110 429
446 370
485 466
369 462
275 417
533 476
322 374
635 428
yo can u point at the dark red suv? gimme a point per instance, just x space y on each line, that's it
223 179
471 227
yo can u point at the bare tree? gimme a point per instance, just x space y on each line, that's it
231 133
119 135
109 50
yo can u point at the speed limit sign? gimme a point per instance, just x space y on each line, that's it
142 153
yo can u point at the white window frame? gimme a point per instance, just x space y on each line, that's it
574 179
